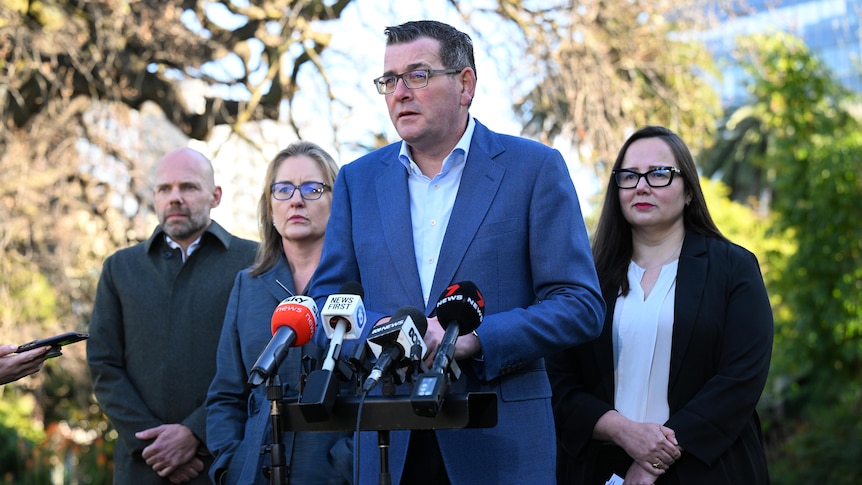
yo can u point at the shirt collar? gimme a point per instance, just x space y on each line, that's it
462 147
192 247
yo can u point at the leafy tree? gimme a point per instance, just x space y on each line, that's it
604 68
742 138
746 225
137 52
76 76
91 93
810 145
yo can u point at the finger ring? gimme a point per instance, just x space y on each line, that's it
657 466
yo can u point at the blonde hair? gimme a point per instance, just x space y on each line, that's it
270 249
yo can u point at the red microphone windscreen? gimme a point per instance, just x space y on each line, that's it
300 314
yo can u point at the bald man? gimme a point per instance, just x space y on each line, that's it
155 326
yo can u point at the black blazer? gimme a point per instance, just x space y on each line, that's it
722 344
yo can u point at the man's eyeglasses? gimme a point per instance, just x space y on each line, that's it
657 177
413 79
307 190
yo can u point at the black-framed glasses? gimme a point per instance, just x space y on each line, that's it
412 79
307 190
657 177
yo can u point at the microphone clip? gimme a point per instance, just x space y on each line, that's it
430 387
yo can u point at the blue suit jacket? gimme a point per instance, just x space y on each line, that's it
517 232
238 418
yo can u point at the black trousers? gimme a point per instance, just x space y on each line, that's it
424 463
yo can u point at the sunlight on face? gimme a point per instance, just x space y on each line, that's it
296 219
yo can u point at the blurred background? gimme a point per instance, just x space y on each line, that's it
765 93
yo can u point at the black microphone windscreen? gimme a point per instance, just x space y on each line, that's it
352 288
463 303
415 314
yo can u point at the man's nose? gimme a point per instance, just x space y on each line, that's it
175 196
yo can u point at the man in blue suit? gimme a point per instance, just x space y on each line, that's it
456 202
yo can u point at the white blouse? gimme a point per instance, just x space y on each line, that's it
642 342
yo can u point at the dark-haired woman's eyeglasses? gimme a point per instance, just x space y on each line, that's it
657 177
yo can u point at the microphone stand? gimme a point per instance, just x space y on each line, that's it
386 413
384 478
279 471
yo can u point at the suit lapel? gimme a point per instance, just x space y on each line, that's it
479 185
276 277
690 281
394 202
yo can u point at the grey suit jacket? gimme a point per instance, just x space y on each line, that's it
153 337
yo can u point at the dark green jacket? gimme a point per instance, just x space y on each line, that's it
153 338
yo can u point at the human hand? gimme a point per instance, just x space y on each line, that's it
15 366
653 446
173 446
467 345
638 475
187 472
433 337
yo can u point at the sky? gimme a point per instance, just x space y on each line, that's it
353 59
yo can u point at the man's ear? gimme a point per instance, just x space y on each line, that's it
216 197
468 85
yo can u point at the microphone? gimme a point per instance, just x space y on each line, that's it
342 317
293 323
396 342
460 310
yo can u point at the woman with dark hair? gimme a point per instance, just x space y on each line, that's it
293 210
667 393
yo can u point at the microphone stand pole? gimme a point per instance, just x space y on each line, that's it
279 472
385 478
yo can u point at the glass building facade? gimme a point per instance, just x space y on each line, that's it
830 29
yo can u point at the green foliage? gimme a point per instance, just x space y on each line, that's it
16 414
824 448
813 151
741 223
33 455
748 227
17 430
812 155
31 296
9 455
742 138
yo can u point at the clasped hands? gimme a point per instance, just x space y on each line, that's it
174 453
653 447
